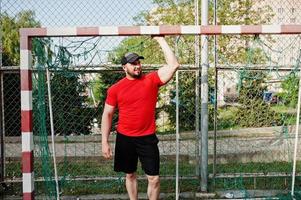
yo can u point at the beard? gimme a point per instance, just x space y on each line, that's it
135 75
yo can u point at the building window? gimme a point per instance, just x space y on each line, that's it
293 20
280 19
280 10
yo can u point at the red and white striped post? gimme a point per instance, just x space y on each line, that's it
161 30
26 118
26 71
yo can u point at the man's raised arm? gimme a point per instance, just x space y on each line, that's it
167 71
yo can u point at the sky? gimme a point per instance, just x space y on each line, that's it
66 13
80 12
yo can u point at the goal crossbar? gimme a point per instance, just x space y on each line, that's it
161 30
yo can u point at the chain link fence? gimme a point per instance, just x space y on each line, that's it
250 142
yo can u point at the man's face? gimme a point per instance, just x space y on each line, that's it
133 69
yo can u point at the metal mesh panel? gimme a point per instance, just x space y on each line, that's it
247 157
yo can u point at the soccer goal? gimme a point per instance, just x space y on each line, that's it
249 86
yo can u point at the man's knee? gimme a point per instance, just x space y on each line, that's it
153 180
131 177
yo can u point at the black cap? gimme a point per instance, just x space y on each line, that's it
130 57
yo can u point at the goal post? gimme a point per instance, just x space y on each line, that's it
27 34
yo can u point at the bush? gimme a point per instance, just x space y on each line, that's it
254 112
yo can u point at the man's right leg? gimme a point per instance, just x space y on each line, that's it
132 186
126 160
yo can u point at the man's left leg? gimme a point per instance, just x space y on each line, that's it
148 152
132 186
153 188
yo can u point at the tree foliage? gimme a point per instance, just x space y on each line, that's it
253 110
290 87
10 26
232 49
72 115
11 37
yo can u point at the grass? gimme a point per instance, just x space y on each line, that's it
284 109
256 167
96 168
88 168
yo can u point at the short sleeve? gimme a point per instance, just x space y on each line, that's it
156 79
111 96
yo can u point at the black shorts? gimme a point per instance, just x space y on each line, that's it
129 149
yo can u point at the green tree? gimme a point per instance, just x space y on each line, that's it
10 26
253 110
10 34
290 87
72 113
233 49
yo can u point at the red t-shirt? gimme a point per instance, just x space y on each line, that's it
136 101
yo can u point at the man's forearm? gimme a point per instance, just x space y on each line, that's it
106 124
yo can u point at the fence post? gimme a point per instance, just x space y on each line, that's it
1 128
204 101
